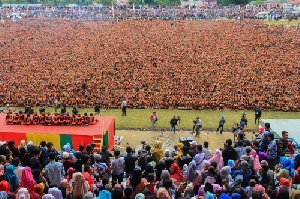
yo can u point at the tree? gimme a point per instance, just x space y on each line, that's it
134 2
258 2
1 3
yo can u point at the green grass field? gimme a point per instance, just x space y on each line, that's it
286 23
139 118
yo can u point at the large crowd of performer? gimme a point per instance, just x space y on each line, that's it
151 64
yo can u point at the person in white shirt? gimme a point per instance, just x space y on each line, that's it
199 158
123 107
18 170
206 151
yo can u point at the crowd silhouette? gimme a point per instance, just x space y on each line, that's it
151 63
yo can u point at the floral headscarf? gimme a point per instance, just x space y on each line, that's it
163 194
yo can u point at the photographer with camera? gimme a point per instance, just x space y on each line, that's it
173 123
197 126
221 124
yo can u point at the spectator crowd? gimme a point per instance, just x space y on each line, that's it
152 64
258 169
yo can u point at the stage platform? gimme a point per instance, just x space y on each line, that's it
60 135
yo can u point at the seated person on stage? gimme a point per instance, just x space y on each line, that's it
35 119
91 119
86 119
42 118
28 120
68 119
8 119
16 119
61 119
74 120
79 120
55 119
22 118
48 119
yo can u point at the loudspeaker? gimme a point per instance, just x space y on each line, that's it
186 141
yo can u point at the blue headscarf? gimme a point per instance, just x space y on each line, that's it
288 164
236 196
209 195
231 163
11 177
224 196
104 194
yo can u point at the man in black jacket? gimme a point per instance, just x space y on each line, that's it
130 160
185 158
228 152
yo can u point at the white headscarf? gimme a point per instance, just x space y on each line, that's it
23 194
48 196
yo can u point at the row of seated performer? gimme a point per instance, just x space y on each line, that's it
47 119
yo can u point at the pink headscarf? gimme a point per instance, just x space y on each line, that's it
259 188
27 180
256 164
217 157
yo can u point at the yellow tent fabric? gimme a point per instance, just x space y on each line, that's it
36 138
40 137
55 139
31 137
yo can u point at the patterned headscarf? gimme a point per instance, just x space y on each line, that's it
23 193
27 179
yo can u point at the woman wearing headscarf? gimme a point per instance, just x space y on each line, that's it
157 151
283 184
256 162
192 173
11 178
217 157
27 179
225 174
70 173
80 186
163 194
260 189
288 164
104 194
176 173
136 181
39 189
149 168
5 188
160 166
164 175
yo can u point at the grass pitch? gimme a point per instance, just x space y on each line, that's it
140 118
